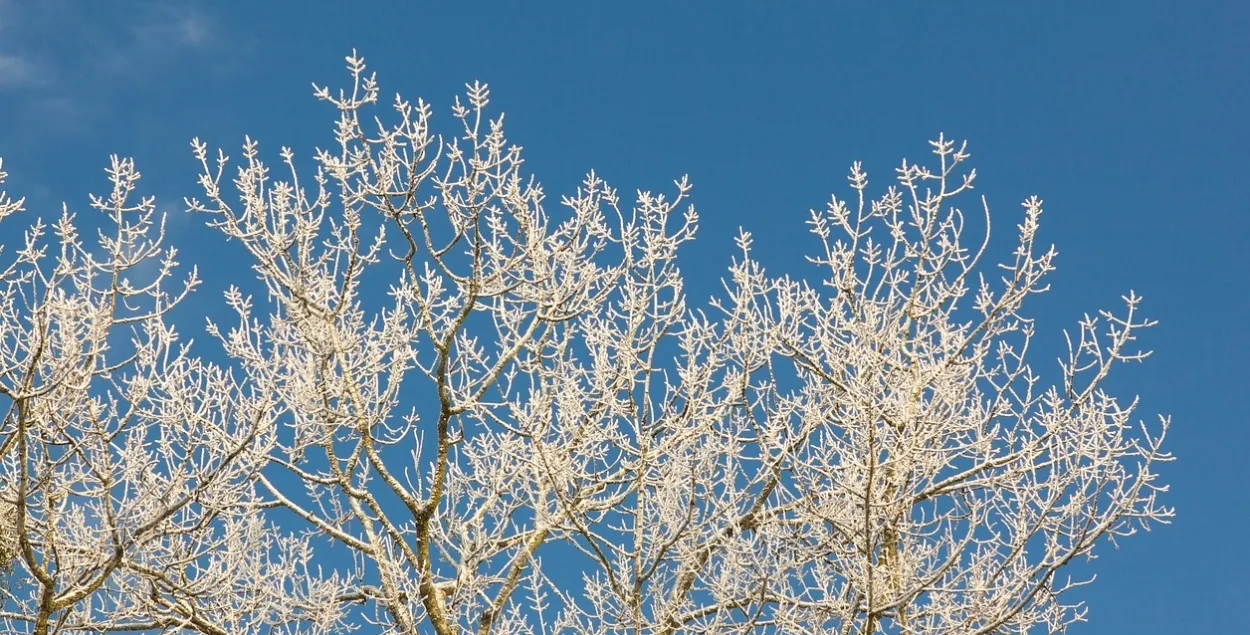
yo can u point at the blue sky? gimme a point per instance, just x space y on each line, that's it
1128 119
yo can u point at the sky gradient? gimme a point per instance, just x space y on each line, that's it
1128 119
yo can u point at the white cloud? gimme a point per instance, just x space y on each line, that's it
16 70
63 70
164 25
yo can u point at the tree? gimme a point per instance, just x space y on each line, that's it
582 451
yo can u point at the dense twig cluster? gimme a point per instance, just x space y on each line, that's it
8 535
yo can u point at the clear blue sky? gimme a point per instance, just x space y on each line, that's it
1128 118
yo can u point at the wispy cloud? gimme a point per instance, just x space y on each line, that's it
183 25
82 59
15 70
156 36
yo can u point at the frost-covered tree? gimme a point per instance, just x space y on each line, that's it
452 407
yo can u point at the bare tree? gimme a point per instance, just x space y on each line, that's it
126 461
458 411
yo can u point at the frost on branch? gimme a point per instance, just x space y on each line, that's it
452 406
8 533
125 461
